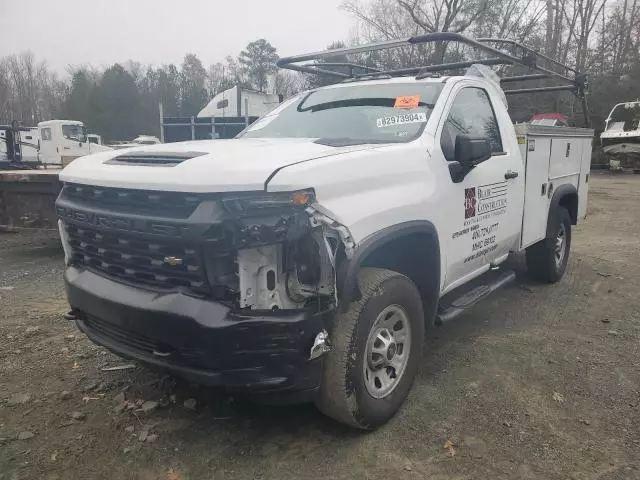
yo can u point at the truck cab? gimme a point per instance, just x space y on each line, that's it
94 138
62 141
304 260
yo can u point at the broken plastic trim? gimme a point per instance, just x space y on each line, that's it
320 218
269 278
320 345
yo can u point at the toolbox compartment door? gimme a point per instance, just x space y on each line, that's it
536 151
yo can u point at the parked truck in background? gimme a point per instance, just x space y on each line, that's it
30 160
52 143
304 260
136 142
62 141
94 138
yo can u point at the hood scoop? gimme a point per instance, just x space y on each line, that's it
153 159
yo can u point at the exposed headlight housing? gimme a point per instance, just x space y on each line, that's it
252 204
64 239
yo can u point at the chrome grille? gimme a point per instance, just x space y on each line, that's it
138 261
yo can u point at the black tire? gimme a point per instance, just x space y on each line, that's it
343 394
542 263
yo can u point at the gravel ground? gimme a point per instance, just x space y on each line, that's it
537 382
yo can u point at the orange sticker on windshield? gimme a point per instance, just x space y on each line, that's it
407 101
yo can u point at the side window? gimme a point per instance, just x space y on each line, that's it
471 114
222 103
45 133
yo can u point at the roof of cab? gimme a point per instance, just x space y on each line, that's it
55 122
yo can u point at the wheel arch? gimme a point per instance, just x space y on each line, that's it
564 196
410 248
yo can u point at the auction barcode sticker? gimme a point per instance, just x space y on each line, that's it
401 119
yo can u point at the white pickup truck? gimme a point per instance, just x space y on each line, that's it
304 260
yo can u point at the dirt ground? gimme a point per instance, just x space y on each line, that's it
537 382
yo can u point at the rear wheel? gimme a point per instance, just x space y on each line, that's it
547 259
377 345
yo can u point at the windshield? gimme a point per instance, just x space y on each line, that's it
75 132
354 114
625 116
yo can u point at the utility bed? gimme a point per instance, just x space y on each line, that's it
552 156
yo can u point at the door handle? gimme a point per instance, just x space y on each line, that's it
510 174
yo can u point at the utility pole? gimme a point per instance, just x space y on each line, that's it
549 50
161 112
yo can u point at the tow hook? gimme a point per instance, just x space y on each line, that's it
71 314
320 346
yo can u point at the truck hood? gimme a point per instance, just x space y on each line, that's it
218 165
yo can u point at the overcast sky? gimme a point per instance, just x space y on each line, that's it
102 32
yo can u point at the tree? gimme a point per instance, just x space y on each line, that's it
115 105
316 81
76 105
222 76
444 16
380 20
288 84
258 62
29 92
217 79
193 93
168 89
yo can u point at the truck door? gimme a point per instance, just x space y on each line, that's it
486 206
74 142
48 152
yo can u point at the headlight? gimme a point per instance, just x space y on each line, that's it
262 202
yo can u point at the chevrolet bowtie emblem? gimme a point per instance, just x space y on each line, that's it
173 261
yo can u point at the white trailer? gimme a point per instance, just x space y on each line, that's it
238 102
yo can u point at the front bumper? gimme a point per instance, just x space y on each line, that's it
200 340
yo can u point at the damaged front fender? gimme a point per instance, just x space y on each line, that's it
291 262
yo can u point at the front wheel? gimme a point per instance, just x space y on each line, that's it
547 259
377 345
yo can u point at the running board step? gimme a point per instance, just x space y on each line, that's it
458 305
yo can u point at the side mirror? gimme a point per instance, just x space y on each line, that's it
471 151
